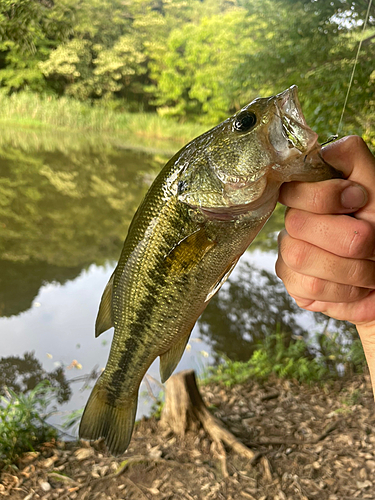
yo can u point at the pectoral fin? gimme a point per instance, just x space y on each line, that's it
170 359
104 318
189 252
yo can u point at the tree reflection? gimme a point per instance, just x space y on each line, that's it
20 283
62 210
253 305
23 374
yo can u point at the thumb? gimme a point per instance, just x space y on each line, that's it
355 160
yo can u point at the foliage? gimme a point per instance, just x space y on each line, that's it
199 60
23 425
72 420
291 358
34 28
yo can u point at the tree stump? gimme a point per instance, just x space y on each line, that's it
184 410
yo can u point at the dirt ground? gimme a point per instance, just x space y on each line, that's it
310 443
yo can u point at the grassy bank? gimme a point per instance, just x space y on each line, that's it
33 111
294 359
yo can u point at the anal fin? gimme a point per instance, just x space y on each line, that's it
104 318
170 359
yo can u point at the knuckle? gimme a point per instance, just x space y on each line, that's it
361 273
355 293
361 241
355 273
317 199
296 255
314 287
295 222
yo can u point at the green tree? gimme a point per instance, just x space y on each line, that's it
214 64
29 30
195 74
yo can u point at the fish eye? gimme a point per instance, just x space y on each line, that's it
244 121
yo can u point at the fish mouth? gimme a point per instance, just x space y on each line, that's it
294 129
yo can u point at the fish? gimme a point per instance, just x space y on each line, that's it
199 216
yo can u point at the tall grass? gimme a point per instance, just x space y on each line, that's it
31 110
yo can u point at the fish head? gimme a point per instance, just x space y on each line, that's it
240 165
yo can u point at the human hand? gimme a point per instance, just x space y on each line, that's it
326 257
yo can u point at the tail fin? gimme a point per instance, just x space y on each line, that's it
114 423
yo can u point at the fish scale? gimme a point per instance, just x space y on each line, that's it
201 213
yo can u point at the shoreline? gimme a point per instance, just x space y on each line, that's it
310 442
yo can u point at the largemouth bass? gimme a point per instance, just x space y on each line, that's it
201 213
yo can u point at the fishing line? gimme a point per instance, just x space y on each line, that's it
354 67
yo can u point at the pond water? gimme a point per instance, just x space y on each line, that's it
65 205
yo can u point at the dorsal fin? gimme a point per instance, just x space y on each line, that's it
104 318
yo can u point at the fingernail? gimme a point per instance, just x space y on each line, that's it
353 197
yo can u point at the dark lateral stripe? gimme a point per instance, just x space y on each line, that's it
140 329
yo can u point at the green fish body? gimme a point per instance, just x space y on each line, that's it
201 213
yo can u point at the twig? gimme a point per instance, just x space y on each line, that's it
148 376
267 469
136 487
287 442
328 430
270 395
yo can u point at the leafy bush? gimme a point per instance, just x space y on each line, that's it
23 425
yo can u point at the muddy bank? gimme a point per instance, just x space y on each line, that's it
309 442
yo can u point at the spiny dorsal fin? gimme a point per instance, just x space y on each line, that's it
104 318
170 359
189 252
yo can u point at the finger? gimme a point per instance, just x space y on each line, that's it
336 196
310 260
307 289
339 234
355 160
358 312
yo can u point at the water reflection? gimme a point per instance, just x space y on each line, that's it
22 374
63 209
253 305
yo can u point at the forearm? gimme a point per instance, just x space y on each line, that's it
367 335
